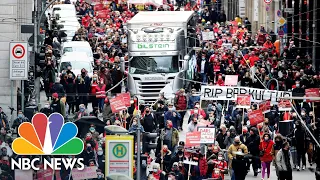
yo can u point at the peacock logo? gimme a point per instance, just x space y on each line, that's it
47 136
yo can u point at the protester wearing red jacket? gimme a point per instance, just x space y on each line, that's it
101 94
266 154
86 21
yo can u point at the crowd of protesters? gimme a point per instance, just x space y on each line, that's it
254 56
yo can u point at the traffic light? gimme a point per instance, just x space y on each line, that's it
143 165
149 141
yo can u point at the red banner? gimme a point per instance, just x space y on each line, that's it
264 106
243 101
255 117
126 98
284 105
193 139
312 92
103 14
98 7
117 104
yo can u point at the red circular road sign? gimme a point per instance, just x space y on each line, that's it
268 1
18 51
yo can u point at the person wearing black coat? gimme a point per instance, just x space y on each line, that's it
253 142
71 91
83 83
58 88
300 136
238 163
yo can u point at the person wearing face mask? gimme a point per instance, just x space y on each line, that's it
284 162
170 137
88 154
47 110
180 101
192 126
70 91
48 75
305 117
101 159
245 134
278 142
21 118
221 165
176 170
193 98
100 94
198 110
231 134
233 149
266 158
175 117
161 109
178 157
164 158
149 121
82 112
299 135
157 173
238 162
94 84
3 136
83 83
58 88
134 126
253 143
107 112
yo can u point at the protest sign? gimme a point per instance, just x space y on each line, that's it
207 35
312 92
284 105
117 104
255 117
264 106
243 101
231 80
203 122
126 98
230 93
103 14
86 173
23 174
207 135
227 45
193 139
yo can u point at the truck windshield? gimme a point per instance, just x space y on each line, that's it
156 64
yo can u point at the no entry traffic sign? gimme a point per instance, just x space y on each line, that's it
268 1
18 60
18 51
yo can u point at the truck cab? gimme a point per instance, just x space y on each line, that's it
159 47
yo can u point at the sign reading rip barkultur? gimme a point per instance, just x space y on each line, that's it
230 93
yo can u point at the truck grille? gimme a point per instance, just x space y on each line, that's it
149 91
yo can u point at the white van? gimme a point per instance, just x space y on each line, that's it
77 61
64 7
78 46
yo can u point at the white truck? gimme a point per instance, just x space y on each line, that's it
160 47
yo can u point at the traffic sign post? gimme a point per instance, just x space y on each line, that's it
268 1
119 155
281 21
18 60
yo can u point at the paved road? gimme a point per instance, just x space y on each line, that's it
302 175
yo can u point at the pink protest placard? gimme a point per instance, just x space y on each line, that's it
86 173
